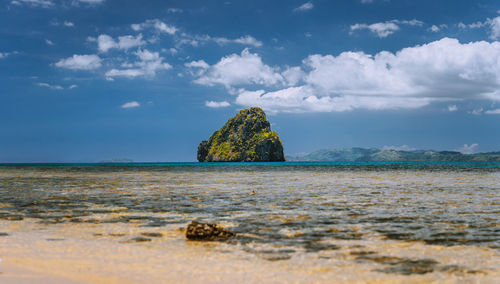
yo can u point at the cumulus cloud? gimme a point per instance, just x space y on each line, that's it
149 63
380 29
155 24
49 42
106 42
452 108
495 28
385 29
399 148
131 104
239 69
468 149
304 7
444 70
305 99
34 3
493 111
213 104
53 87
68 24
80 62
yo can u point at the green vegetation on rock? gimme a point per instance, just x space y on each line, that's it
247 137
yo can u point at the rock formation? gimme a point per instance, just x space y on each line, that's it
206 232
247 137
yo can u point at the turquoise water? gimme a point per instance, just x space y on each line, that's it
279 211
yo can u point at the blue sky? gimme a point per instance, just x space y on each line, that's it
87 80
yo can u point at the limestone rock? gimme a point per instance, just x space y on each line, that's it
247 137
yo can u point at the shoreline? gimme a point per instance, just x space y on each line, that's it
72 254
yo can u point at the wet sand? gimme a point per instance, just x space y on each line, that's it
77 254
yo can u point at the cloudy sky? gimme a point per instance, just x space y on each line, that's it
87 80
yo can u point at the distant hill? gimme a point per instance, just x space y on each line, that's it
377 155
116 161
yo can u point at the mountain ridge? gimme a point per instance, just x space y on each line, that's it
357 154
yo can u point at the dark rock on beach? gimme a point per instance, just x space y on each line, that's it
247 137
206 232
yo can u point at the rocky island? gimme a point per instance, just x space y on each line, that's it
247 137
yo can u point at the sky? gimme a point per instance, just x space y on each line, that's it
90 80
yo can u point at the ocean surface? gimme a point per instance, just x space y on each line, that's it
323 221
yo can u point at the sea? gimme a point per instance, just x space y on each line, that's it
295 222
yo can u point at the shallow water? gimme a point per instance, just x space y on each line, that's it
391 220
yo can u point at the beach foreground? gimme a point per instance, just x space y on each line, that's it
294 224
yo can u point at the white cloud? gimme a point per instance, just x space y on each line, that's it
293 75
385 29
248 40
89 2
381 29
492 24
399 148
366 1
493 111
468 149
235 69
197 67
157 25
477 111
452 108
304 99
49 42
80 62
213 104
174 10
444 70
495 28
131 104
73 86
435 28
68 24
475 25
149 63
413 22
105 42
197 64
53 87
197 40
304 7
34 3
3 54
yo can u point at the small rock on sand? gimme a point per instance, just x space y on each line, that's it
206 232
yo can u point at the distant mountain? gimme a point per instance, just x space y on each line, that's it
377 155
116 161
